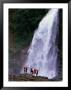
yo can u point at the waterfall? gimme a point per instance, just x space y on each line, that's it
43 51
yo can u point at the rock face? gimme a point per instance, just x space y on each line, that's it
16 61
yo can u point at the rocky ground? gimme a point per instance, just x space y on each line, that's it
27 77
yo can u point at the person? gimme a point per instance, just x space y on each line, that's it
25 69
34 71
31 70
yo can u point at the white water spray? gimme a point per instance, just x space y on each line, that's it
42 53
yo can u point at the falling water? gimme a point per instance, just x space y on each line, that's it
42 53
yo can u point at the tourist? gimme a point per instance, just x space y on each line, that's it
25 69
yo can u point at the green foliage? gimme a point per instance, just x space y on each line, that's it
23 22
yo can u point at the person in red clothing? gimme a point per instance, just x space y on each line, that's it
34 71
